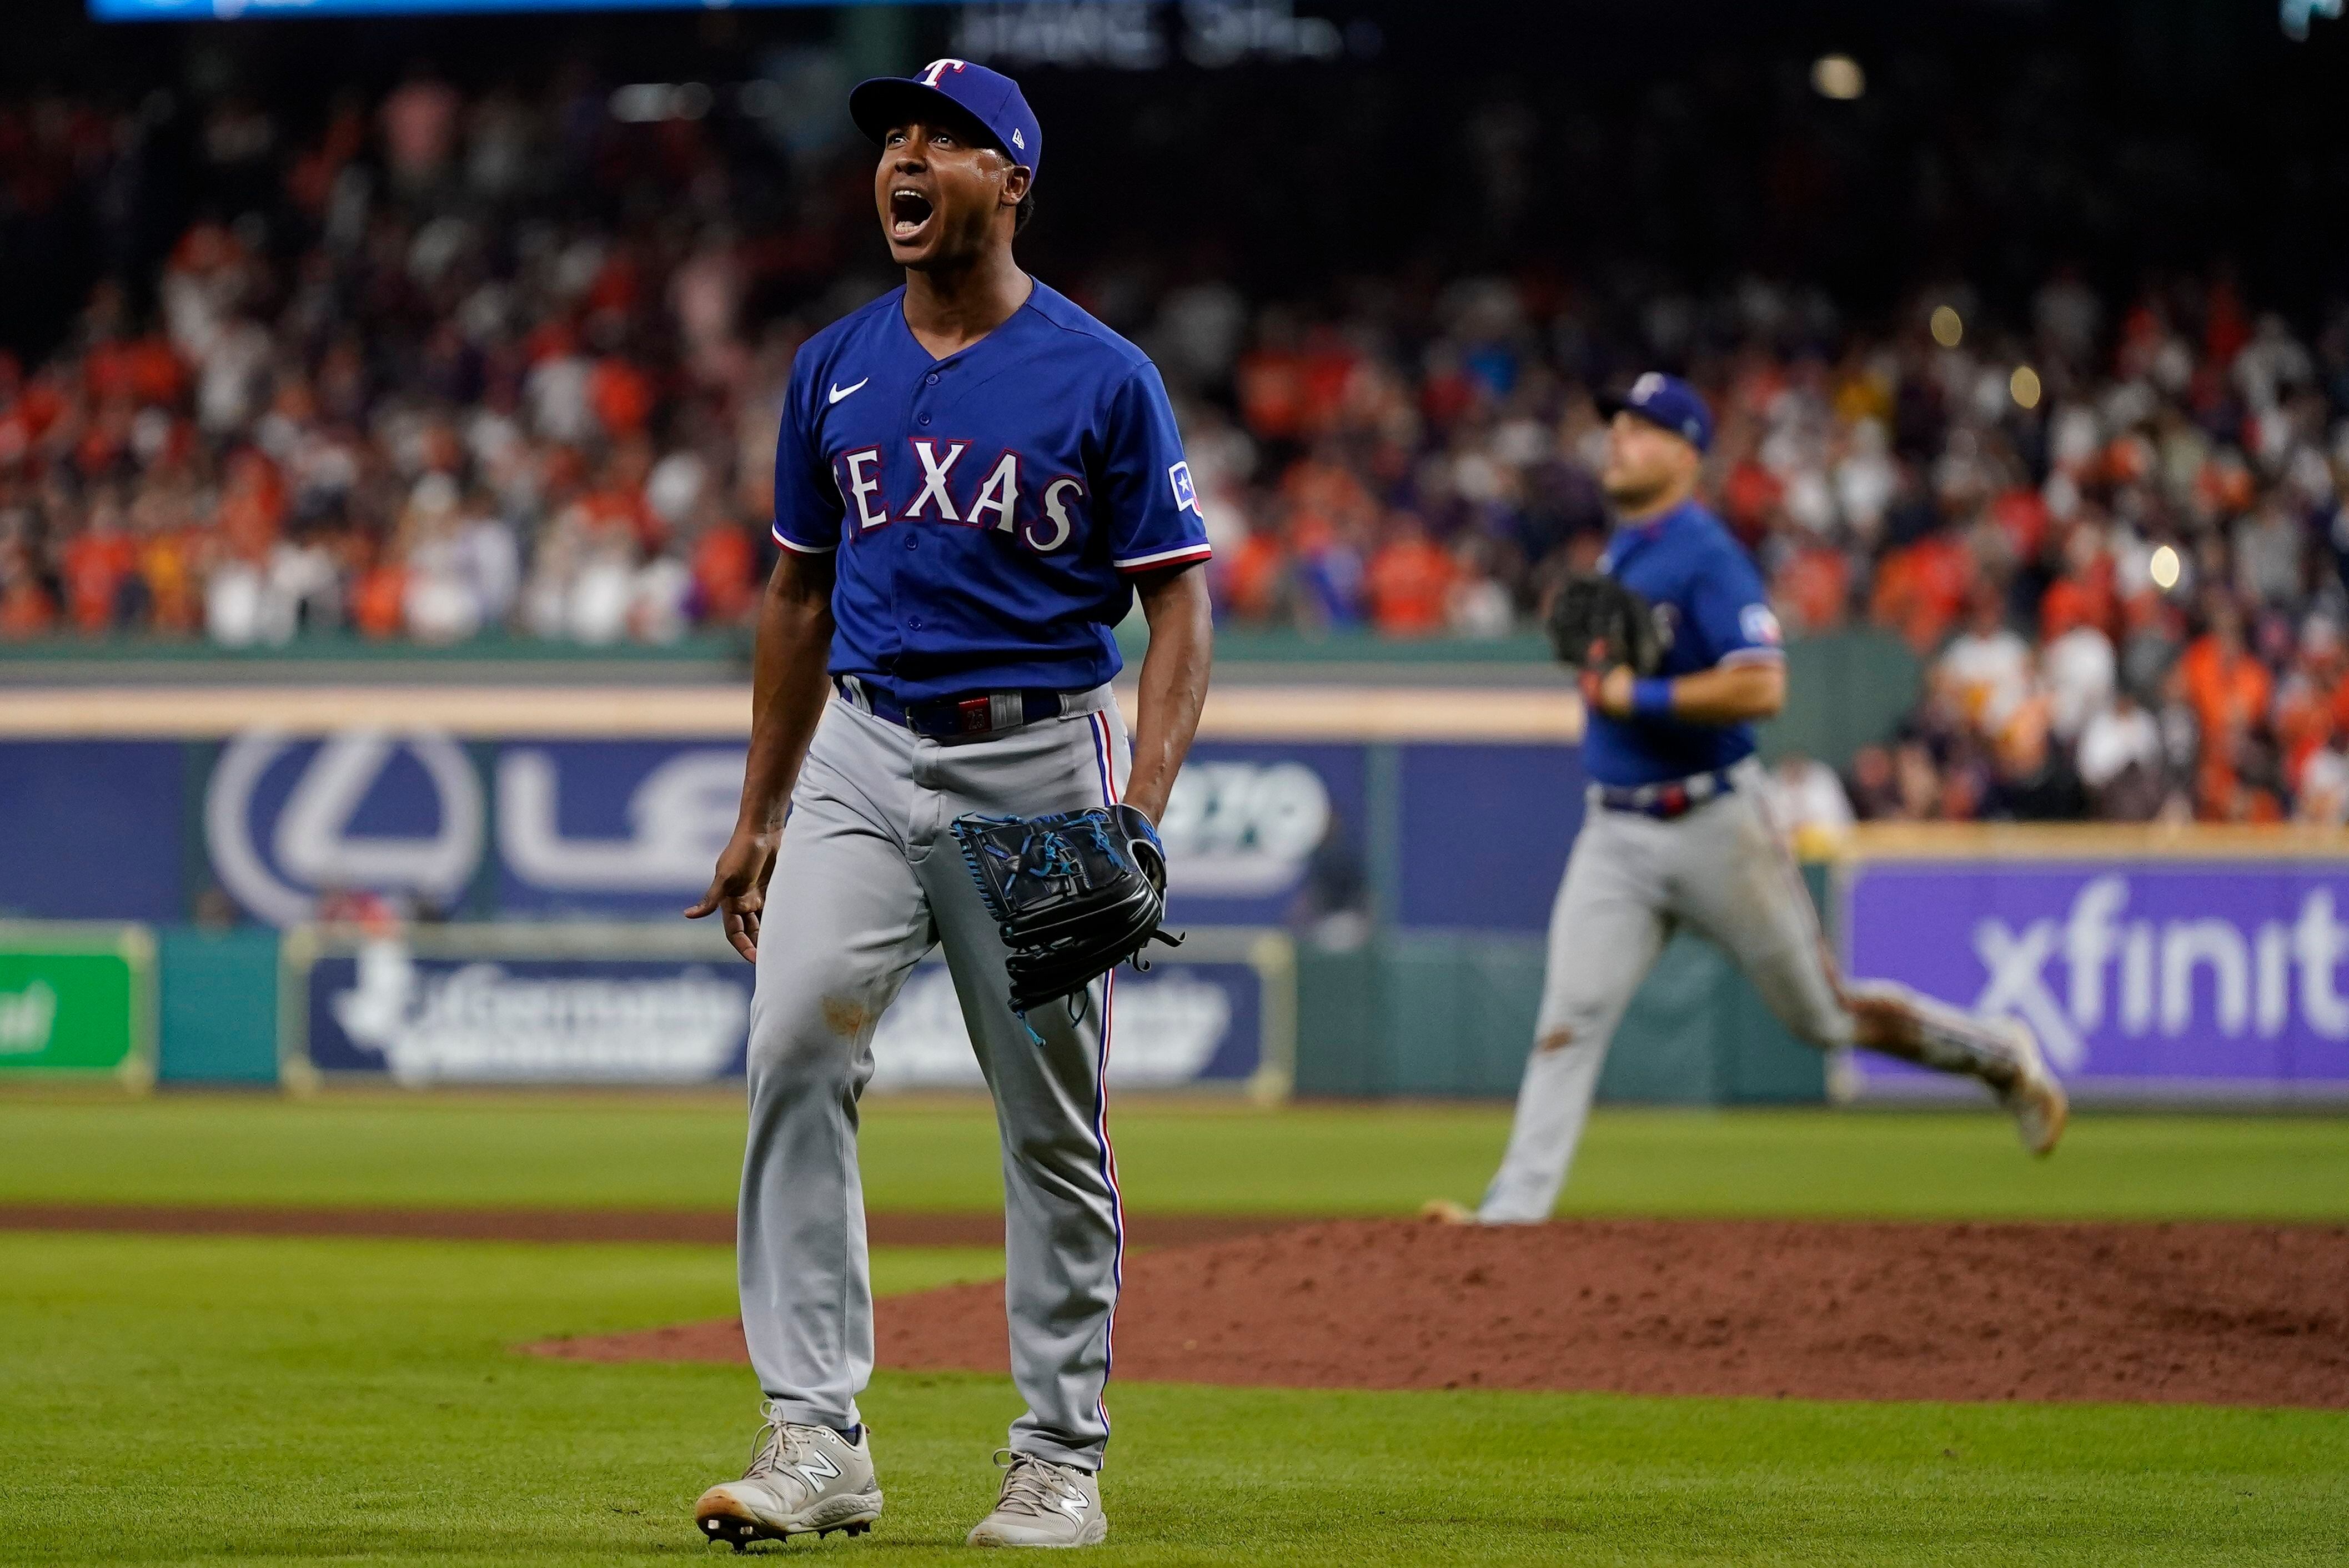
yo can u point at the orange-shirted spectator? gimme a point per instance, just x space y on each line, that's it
1330 489
96 565
1812 589
1410 581
1271 389
1748 496
2227 688
143 370
2085 597
25 607
2229 691
725 564
621 394
615 507
1252 577
251 506
1920 588
2021 514
1324 369
1269 379
379 596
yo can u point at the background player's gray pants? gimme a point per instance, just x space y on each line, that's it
867 880
1630 882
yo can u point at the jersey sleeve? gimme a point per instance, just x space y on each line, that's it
1733 611
1152 506
807 499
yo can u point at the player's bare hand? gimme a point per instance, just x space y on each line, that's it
738 889
1608 690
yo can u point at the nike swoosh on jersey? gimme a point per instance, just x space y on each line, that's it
838 391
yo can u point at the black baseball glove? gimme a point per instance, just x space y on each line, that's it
1074 894
1596 623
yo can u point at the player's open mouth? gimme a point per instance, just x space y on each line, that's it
909 209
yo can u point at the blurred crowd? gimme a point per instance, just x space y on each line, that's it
455 366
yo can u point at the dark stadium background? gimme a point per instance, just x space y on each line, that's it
1611 144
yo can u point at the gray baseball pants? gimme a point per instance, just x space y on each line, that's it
868 879
1722 869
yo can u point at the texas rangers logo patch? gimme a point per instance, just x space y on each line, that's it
1186 495
1760 625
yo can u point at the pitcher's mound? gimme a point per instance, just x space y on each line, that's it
2234 1314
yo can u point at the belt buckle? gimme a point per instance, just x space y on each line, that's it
974 716
1672 800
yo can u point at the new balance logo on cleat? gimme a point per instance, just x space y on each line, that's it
801 1478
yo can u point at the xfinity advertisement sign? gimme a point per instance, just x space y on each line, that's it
2186 978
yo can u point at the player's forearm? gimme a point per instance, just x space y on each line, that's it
1173 684
787 685
1730 694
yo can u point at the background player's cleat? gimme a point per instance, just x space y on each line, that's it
1043 1504
800 1479
2040 1106
1448 1212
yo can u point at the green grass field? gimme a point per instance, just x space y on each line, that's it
614 1151
197 1400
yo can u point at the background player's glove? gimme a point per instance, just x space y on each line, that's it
1073 895
1596 623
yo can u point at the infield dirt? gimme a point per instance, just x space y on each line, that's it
2205 1313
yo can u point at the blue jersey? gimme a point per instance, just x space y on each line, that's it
1710 610
989 509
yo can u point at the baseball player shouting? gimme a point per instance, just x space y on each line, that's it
1679 655
973 479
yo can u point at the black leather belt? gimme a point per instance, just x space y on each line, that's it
945 717
1672 798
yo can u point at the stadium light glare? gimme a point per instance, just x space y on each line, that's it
1838 76
1949 329
2024 384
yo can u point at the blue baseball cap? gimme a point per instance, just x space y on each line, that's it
975 93
1666 402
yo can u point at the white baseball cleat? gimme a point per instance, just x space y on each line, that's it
800 1479
1043 1504
2039 1104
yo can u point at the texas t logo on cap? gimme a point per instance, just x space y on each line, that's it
974 95
1666 402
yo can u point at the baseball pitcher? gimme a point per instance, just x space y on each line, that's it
972 480
1678 655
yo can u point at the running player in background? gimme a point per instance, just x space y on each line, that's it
973 480
1678 833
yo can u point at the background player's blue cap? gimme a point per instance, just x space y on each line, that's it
990 98
1666 401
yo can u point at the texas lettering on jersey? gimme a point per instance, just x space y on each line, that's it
1043 517
987 512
